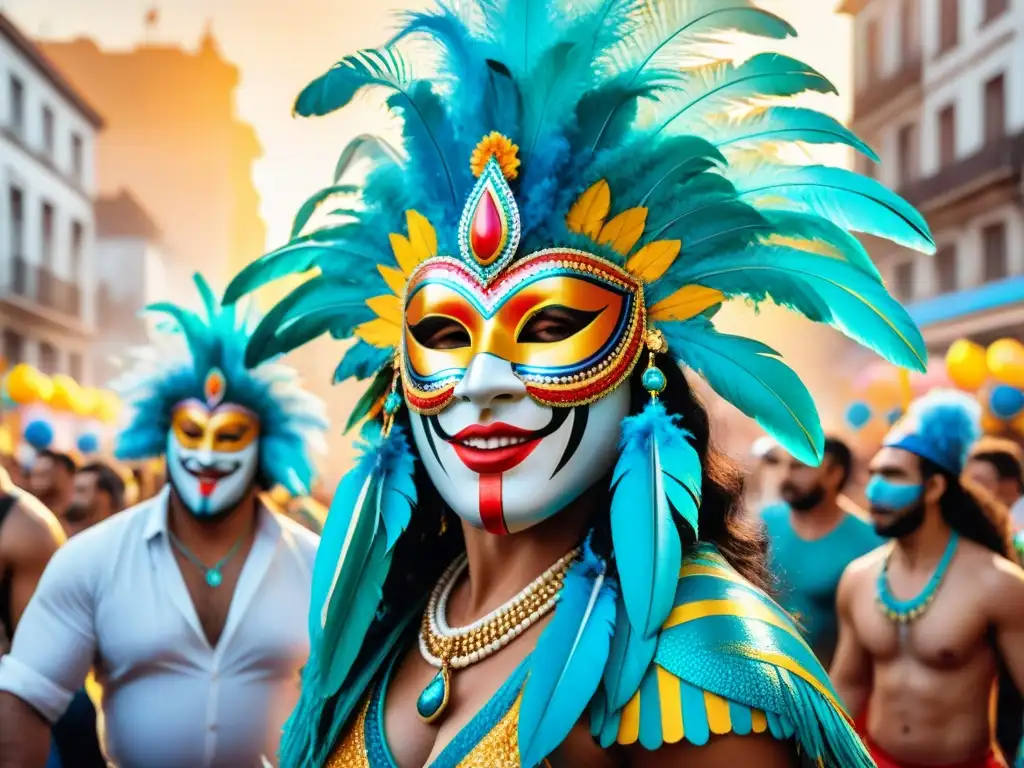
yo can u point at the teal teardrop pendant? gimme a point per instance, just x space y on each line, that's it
432 702
213 577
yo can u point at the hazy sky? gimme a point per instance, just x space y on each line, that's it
280 45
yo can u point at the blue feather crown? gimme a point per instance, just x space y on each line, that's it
620 134
941 427
202 356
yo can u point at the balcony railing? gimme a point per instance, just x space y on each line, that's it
40 285
997 160
879 92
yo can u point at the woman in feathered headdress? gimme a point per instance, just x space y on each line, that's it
579 188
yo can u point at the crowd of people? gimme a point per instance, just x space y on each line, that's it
933 678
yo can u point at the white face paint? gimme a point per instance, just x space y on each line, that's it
212 456
502 461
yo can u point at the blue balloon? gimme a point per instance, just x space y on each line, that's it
88 443
39 434
858 414
1005 402
894 415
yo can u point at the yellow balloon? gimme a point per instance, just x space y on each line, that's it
23 384
88 401
967 365
1006 361
45 386
108 407
66 393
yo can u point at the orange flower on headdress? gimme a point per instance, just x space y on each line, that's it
499 147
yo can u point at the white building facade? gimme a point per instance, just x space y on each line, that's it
131 272
47 223
939 94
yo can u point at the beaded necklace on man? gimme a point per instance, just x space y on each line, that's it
904 612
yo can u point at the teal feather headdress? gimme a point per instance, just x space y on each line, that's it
194 352
664 159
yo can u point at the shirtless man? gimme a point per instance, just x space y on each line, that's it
29 535
924 623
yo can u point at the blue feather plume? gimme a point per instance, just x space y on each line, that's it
370 510
630 658
565 667
658 471
751 376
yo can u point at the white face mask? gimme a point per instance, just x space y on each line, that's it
504 462
212 456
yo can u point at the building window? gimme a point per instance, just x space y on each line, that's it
13 347
903 280
994 9
75 366
945 269
993 250
77 238
17 106
76 156
949 24
47 358
48 132
907 149
910 28
872 52
995 108
17 208
47 232
947 136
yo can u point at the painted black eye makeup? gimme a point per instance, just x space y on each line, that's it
555 323
436 332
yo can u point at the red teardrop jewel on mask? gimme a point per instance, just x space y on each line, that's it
487 232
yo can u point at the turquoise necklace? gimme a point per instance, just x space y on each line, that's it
905 611
213 574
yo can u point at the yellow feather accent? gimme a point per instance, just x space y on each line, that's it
629 725
758 721
394 279
689 301
718 713
404 254
380 333
749 609
671 699
622 232
422 236
651 261
387 308
802 244
586 217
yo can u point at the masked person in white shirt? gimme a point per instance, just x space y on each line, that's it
192 604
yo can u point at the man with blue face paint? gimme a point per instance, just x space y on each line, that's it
189 606
927 622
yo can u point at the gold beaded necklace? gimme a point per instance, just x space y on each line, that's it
454 648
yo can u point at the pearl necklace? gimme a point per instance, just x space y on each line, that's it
450 648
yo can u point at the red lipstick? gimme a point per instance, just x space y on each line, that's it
478 447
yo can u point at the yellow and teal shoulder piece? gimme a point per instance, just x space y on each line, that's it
727 660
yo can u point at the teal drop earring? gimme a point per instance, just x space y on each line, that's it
653 379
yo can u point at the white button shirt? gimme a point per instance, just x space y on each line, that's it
114 596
